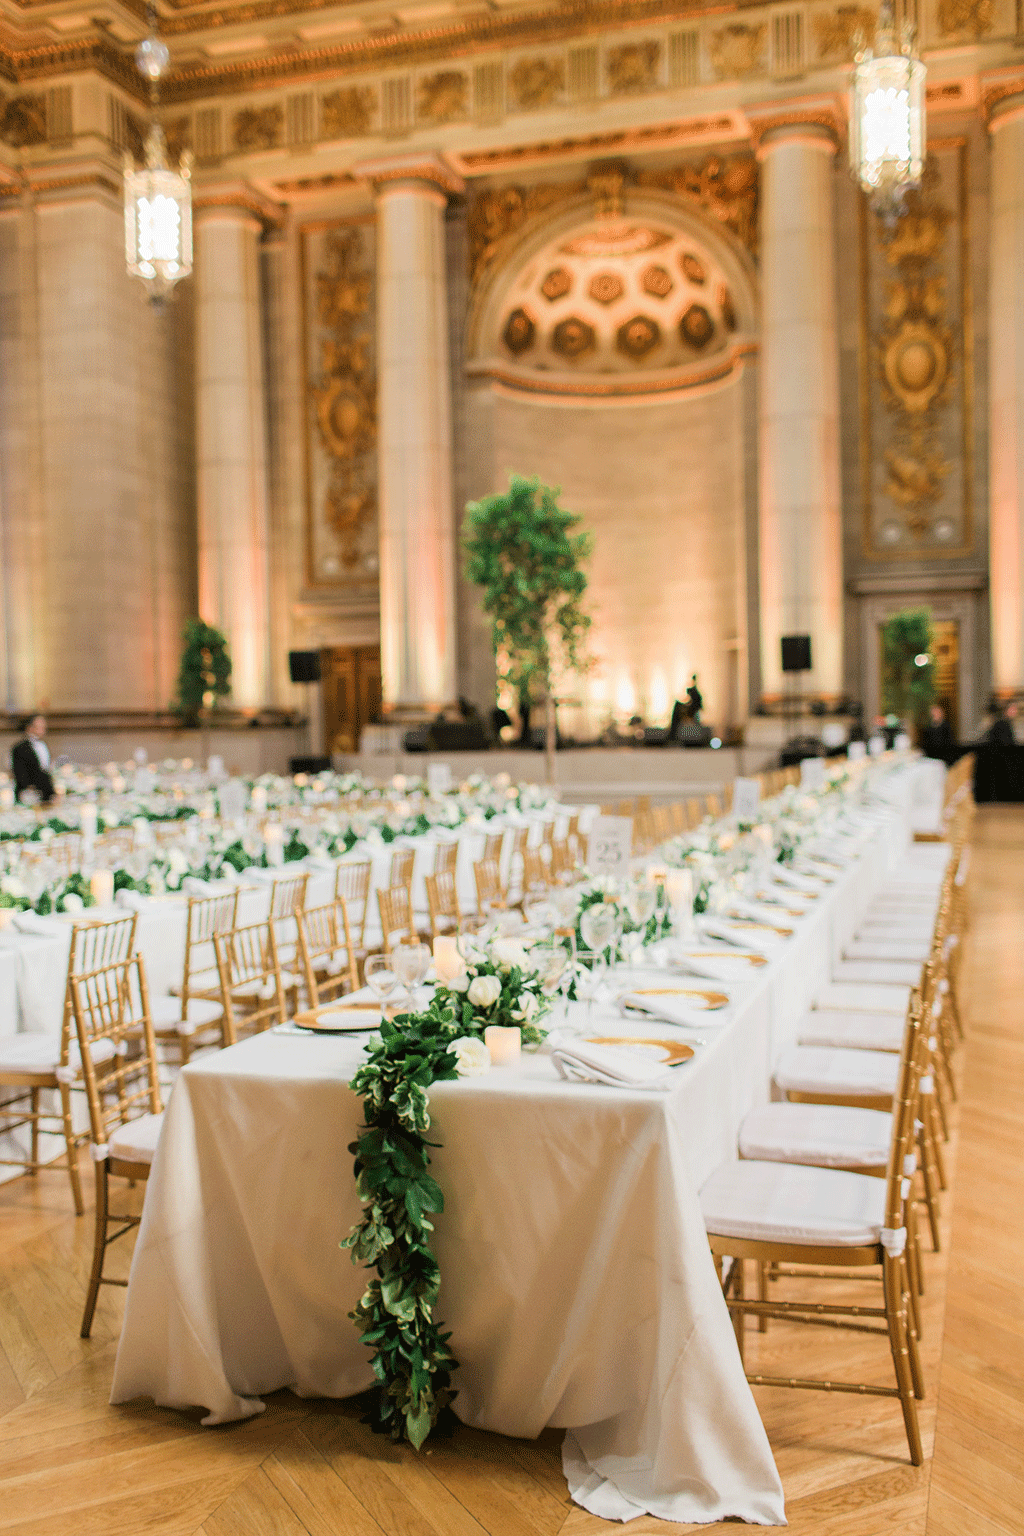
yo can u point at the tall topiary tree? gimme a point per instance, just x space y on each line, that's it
908 667
523 553
204 676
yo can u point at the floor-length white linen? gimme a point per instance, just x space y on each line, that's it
577 1278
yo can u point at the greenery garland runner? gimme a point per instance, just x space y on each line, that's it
412 1361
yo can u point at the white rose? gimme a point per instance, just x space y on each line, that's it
472 1057
484 991
508 952
177 862
528 1006
13 886
458 983
73 903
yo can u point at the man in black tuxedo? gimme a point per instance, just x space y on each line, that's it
30 760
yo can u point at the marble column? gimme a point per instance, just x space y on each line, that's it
231 447
1006 393
800 523
417 519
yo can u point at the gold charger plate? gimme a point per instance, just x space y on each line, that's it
751 922
711 999
676 1051
336 1020
719 954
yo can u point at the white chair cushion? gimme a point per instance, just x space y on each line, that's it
202 1012
862 997
851 1031
135 1142
263 991
831 1135
30 1053
824 1069
862 948
789 1203
905 973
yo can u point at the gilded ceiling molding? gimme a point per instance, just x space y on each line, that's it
820 114
1000 90
238 194
21 65
455 39
480 162
428 168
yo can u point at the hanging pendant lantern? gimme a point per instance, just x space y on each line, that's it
887 131
157 199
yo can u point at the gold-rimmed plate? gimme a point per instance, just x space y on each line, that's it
672 1052
356 1019
704 998
726 955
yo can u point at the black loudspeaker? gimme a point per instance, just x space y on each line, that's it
304 666
796 653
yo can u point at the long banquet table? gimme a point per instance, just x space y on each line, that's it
577 1278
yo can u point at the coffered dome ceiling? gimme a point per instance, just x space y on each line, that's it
616 296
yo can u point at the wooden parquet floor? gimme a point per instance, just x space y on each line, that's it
69 1463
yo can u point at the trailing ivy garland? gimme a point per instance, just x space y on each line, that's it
412 1361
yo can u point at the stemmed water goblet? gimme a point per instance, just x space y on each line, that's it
410 963
381 978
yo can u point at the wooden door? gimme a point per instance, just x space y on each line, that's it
351 693
946 650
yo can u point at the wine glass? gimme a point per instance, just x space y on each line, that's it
380 977
550 961
597 926
590 978
641 900
410 963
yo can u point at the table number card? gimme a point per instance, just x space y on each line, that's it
610 846
857 751
812 772
439 779
746 797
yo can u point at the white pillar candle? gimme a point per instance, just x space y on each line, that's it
505 1044
273 837
447 960
679 890
88 817
102 886
6 797
258 798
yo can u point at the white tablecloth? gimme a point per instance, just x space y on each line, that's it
577 1278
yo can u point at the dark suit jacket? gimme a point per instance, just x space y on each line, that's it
29 772
1000 733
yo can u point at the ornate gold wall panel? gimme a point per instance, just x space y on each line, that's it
338 328
916 370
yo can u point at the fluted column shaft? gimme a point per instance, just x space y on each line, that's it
417 524
1006 394
231 450
801 574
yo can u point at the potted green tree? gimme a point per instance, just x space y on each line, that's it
204 677
908 667
523 553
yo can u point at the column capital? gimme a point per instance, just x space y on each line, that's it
430 172
1002 95
237 197
818 120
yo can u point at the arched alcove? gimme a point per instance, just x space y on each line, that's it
610 354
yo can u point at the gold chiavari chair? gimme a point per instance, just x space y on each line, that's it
33 1062
118 1062
110 848
727 791
251 983
712 807
443 904
352 884
536 873
517 848
808 1220
563 864
493 844
402 861
677 818
446 856
287 896
572 837
628 808
490 895
694 812
396 919
192 1018
326 953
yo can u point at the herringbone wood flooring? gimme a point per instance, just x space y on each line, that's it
71 1463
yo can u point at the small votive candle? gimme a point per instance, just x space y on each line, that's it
447 960
273 837
102 886
679 890
258 798
505 1044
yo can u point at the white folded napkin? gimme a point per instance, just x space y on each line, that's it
757 939
672 1010
31 922
580 1061
783 875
